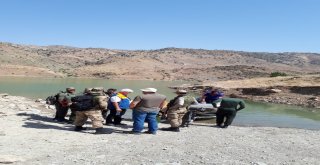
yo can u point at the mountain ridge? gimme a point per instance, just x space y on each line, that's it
159 64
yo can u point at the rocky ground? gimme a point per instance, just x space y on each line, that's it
29 136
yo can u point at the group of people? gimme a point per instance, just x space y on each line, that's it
99 105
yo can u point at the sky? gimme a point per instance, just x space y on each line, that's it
244 25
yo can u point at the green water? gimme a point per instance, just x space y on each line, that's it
255 114
43 87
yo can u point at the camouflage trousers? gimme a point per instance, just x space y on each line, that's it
94 115
176 119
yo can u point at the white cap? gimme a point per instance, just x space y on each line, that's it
126 90
181 91
149 90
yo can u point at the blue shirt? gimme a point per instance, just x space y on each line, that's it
211 98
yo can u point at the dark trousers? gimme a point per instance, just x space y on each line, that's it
72 116
104 113
117 118
61 112
229 115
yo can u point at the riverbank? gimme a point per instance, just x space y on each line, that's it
29 136
301 91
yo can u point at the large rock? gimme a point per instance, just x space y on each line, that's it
8 159
274 90
4 95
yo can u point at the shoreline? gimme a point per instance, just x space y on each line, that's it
279 90
302 91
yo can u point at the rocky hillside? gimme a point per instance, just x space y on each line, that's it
161 64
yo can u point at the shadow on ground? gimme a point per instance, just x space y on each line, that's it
43 122
314 90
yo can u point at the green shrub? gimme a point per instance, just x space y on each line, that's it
276 74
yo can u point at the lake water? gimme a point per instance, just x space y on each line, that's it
255 114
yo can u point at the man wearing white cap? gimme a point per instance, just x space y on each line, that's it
176 109
118 105
146 106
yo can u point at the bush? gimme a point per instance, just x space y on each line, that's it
276 74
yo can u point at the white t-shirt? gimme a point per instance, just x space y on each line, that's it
115 99
181 101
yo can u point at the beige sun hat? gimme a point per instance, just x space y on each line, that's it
126 90
70 89
149 90
181 91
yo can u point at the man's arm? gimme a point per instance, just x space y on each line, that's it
203 98
134 103
241 105
114 100
116 105
162 104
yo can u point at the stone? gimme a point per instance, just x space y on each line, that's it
3 95
8 159
38 100
314 98
275 90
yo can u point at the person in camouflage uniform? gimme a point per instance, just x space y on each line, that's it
97 101
176 110
63 104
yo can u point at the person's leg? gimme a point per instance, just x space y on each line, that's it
61 112
72 116
138 120
152 122
173 120
219 118
64 112
97 121
230 115
96 118
111 116
104 113
80 120
180 118
185 119
118 118
57 106
192 115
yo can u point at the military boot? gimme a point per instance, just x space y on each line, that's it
174 129
225 126
99 131
79 128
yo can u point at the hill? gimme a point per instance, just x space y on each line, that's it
161 64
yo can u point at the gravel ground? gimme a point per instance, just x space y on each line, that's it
29 136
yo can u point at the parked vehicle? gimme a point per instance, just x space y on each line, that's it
203 110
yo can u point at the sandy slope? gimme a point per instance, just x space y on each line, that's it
28 136
161 64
